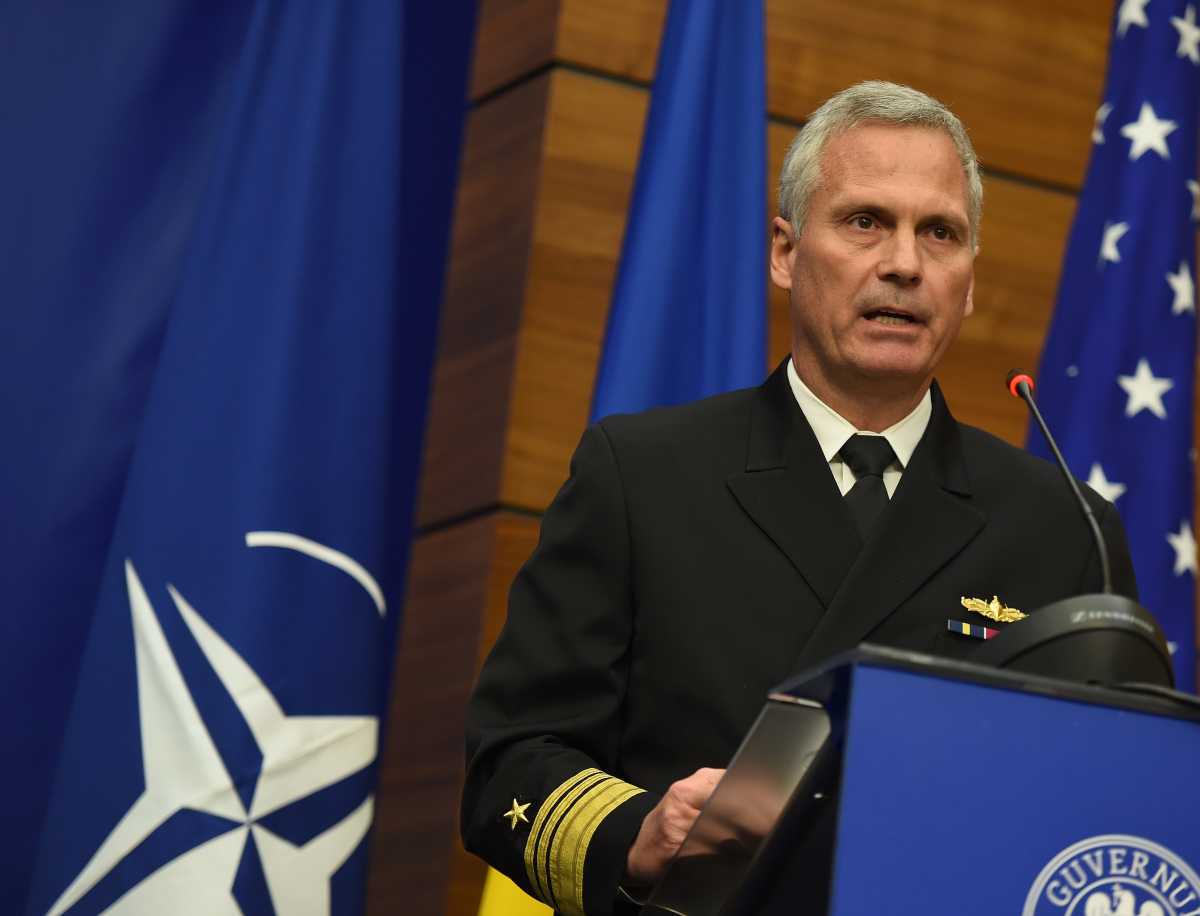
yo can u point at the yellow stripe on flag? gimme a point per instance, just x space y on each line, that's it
503 898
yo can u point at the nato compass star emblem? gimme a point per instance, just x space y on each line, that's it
183 771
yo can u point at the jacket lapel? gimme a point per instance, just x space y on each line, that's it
790 494
929 521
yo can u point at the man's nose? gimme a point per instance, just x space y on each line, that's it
900 259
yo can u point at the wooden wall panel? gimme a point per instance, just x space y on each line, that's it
456 604
514 539
617 36
481 310
420 774
1025 75
593 135
512 38
1016 279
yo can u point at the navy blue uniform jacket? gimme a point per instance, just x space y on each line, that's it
696 557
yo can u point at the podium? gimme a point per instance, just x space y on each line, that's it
893 782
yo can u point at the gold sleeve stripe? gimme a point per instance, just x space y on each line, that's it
556 851
578 836
546 842
547 815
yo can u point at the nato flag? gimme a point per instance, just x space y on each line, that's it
227 230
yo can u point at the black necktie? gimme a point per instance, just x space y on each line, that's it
867 456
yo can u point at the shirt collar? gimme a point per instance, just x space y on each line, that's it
832 429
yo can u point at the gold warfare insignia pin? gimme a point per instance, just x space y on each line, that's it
517 813
994 610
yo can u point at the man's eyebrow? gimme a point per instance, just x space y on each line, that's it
859 204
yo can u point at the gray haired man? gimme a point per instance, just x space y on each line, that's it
701 554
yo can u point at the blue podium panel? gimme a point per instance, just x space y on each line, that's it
963 798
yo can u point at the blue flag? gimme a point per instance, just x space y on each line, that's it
1118 368
226 236
688 315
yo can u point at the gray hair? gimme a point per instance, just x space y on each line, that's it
874 101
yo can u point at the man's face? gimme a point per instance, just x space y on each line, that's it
881 276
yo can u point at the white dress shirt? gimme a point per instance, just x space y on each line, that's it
833 430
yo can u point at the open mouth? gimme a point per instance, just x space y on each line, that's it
891 317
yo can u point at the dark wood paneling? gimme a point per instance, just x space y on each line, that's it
593 133
514 539
617 36
421 766
467 876
1016 278
481 311
513 37
1024 75
457 601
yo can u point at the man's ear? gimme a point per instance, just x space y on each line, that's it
783 252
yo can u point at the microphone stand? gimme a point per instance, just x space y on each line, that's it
1104 638
1022 387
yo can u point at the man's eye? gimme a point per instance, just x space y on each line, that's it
942 233
863 221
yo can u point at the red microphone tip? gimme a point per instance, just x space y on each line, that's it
1014 380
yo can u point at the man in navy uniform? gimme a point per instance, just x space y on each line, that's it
699 555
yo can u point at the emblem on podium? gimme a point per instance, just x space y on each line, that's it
1115 876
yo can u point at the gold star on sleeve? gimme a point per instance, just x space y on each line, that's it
517 813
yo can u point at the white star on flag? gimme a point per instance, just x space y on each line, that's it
1193 186
1099 482
1148 132
1185 290
1184 545
1145 391
1189 35
183 769
1102 114
1132 12
1113 233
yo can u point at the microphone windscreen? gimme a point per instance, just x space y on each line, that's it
1014 379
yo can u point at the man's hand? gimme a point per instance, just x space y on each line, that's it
665 827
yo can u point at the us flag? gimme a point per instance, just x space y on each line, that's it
1118 369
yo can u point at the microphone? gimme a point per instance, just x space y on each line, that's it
1099 639
1020 385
